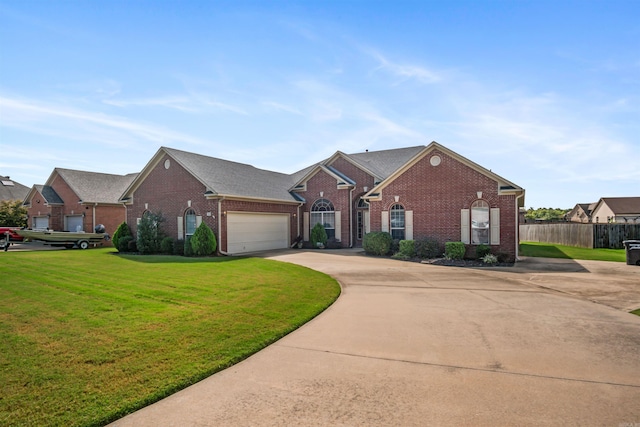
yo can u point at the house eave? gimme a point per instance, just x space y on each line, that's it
250 199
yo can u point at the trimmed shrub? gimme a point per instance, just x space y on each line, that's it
150 233
132 246
166 245
454 250
407 248
203 242
395 246
188 250
428 248
482 250
123 230
318 235
377 243
178 247
123 243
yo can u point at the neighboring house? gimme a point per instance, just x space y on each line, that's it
625 210
11 190
414 192
73 200
581 213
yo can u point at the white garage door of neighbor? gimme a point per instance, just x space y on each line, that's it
250 232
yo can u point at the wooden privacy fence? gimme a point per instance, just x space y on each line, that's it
581 235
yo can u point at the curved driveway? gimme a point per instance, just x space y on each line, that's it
545 343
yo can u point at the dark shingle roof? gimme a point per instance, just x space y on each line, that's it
12 190
385 162
93 187
49 194
235 179
623 205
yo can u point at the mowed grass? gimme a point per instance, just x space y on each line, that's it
550 250
89 336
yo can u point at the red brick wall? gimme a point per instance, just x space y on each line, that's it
37 208
436 194
323 182
168 191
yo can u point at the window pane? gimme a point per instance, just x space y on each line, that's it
329 220
480 222
190 222
397 234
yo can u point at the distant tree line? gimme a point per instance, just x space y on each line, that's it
546 214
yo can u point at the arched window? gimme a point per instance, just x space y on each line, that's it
322 212
396 218
189 222
480 223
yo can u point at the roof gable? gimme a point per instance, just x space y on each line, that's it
46 192
94 187
381 164
223 177
504 185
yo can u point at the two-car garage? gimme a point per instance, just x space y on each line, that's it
250 232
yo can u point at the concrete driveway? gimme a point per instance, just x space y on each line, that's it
545 343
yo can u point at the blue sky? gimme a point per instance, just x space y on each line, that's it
544 93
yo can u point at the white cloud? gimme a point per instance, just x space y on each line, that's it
405 72
51 119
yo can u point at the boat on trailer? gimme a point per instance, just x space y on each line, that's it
68 239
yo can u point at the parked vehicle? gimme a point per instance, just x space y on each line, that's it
67 239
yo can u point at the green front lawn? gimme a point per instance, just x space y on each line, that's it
550 250
89 336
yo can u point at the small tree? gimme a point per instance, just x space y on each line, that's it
150 233
13 213
203 242
318 235
123 230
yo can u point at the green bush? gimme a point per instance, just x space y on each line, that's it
395 246
377 243
178 247
132 245
428 248
188 250
482 250
407 248
490 259
203 242
166 245
454 250
150 233
318 235
123 243
123 230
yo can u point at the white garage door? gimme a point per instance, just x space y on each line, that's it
40 222
249 232
74 223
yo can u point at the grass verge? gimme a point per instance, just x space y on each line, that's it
89 336
549 250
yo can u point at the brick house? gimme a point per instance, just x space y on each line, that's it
73 200
624 210
413 192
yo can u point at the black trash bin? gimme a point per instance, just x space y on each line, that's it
632 248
